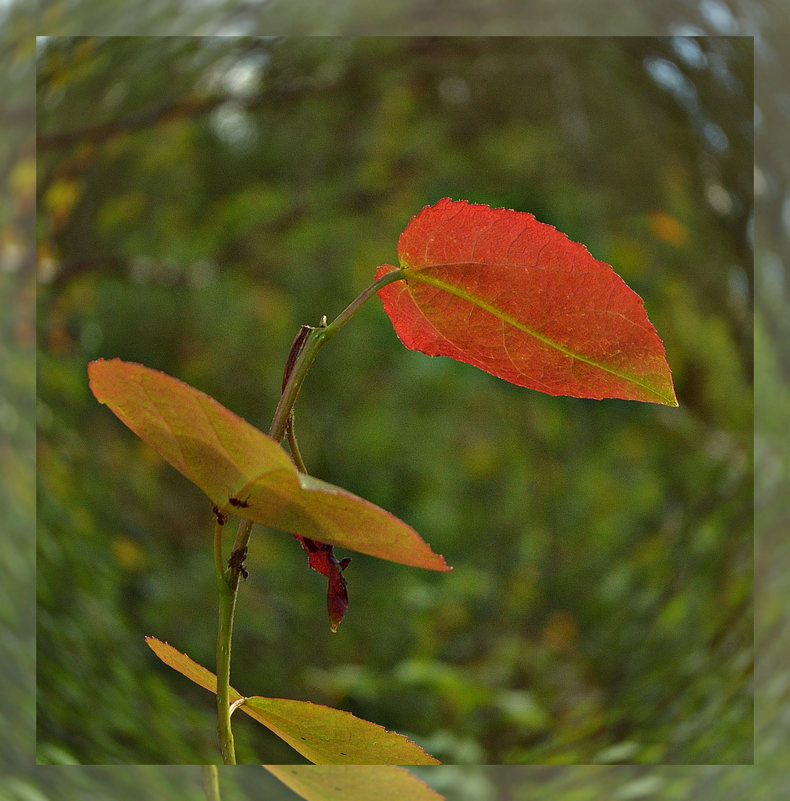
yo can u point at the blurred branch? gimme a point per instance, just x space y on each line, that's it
193 107
105 130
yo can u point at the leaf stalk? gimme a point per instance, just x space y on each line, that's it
312 343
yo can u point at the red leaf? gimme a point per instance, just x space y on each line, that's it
321 557
497 289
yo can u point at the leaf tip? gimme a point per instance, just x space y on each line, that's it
433 561
439 564
667 395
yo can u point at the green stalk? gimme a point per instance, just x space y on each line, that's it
293 445
227 605
228 585
228 580
309 350
210 779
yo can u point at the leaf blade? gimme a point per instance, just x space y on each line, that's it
320 733
328 736
245 472
515 297
353 783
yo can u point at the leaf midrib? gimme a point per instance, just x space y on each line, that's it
426 278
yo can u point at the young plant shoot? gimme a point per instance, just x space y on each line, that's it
493 288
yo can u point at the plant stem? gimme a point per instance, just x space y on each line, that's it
227 604
210 778
304 351
296 454
312 344
227 585
218 564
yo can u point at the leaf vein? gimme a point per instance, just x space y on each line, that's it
423 277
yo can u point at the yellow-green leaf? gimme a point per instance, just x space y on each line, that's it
245 472
321 734
353 783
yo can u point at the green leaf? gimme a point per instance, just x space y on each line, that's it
353 783
245 472
319 733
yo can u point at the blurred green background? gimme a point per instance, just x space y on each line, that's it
200 198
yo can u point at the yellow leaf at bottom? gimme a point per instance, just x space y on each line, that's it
324 735
353 783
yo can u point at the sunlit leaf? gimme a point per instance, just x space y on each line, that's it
320 733
497 289
245 472
353 783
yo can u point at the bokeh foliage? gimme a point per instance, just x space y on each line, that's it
201 198
17 392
